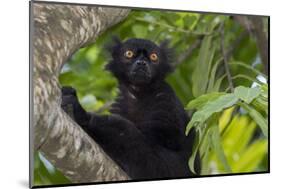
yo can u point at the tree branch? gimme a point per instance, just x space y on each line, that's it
59 30
189 51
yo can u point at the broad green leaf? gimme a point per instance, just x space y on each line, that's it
203 66
247 94
259 119
217 105
202 100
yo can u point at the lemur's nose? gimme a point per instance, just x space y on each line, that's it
141 62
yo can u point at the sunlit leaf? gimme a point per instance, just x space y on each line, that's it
247 94
251 157
202 100
202 69
225 118
217 105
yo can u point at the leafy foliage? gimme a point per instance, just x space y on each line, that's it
232 127
45 173
206 119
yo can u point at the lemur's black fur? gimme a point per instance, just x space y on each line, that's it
144 134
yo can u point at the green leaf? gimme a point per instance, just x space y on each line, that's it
237 136
212 77
218 83
203 66
194 152
259 119
251 158
199 141
216 143
257 72
217 105
260 104
205 151
249 78
202 100
247 94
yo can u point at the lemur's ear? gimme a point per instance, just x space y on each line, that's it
112 49
116 40
165 44
167 51
115 43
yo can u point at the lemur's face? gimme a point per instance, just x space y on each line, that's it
139 61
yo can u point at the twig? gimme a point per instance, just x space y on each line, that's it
174 28
262 41
236 43
197 43
255 26
225 59
189 51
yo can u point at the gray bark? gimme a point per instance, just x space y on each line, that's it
59 30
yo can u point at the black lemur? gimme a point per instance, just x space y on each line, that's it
145 132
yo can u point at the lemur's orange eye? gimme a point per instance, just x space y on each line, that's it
153 57
129 54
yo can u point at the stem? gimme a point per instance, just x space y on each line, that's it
226 66
189 51
174 28
262 41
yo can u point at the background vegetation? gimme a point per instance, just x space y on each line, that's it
219 75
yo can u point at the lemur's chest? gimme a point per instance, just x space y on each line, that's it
133 108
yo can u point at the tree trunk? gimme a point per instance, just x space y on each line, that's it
58 31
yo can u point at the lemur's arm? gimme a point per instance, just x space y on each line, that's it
119 137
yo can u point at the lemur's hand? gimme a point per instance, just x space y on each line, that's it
72 107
